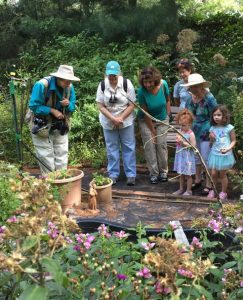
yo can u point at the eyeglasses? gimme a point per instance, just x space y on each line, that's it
113 98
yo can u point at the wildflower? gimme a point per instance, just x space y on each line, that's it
103 230
121 234
52 230
241 283
121 276
161 289
172 226
145 273
83 240
147 246
69 240
195 244
12 219
185 273
214 225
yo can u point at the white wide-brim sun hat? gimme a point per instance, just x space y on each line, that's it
194 79
65 72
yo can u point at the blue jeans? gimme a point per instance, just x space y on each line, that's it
125 138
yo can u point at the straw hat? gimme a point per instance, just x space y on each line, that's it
65 72
194 79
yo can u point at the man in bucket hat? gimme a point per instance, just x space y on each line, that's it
51 102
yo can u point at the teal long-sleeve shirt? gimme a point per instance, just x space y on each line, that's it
40 94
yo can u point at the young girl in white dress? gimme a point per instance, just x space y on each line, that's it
184 162
221 158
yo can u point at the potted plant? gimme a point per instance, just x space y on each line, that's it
103 186
69 183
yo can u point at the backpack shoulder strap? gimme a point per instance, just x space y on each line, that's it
125 84
102 84
46 81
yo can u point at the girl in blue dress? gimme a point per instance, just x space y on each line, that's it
223 140
184 162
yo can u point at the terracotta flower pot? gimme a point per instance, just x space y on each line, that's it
70 189
104 193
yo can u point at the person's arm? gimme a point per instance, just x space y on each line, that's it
127 111
167 97
37 102
69 104
131 96
232 144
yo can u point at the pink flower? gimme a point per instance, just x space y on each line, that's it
121 276
84 240
52 230
214 225
147 246
241 283
185 273
103 230
12 219
145 273
162 289
195 244
173 226
121 234
69 240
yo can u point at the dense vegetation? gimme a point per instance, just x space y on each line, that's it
136 33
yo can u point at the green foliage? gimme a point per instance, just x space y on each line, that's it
8 199
100 180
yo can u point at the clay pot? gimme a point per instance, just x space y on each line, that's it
104 193
70 189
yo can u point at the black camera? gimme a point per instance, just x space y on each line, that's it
39 123
61 126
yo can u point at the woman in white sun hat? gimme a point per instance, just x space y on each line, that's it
51 102
201 105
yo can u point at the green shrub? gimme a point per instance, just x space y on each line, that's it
8 198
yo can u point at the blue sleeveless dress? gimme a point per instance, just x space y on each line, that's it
184 158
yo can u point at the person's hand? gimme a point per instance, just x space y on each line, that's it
171 118
154 138
179 140
224 150
64 102
57 114
117 121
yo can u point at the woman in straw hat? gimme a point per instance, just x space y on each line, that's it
201 105
52 99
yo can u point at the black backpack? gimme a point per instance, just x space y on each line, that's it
124 85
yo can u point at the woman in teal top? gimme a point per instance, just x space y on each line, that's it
154 97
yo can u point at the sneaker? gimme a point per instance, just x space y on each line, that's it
211 194
114 179
187 193
154 179
130 181
162 177
223 196
179 192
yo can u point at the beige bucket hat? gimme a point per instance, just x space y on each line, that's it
194 79
65 72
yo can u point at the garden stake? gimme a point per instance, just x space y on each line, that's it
193 147
15 119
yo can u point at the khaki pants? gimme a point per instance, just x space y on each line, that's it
156 155
52 150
